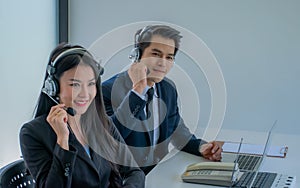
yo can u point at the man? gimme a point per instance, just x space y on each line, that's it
149 130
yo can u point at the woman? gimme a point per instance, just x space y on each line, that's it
72 142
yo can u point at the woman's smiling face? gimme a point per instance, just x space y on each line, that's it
78 88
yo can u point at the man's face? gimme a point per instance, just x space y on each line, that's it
159 58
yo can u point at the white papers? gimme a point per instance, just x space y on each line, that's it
274 151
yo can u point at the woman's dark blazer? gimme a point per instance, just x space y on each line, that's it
52 166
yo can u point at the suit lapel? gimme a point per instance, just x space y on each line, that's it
162 108
82 154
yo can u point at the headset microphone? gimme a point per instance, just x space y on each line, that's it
69 110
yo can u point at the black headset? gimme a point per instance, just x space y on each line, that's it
135 53
51 86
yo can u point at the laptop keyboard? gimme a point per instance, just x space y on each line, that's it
248 162
262 180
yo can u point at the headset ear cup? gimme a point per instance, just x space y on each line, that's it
134 55
101 71
50 86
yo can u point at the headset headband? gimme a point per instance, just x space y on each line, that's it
67 52
139 36
76 50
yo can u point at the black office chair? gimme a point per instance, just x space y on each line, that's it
16 175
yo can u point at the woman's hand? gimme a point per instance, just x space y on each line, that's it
58 118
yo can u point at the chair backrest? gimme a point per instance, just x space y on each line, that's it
16 175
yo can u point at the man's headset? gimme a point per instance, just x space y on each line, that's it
136 52
51 86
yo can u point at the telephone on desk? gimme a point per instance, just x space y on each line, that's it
212 173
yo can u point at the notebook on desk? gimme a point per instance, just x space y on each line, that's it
255 149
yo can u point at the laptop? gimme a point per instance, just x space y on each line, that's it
247 162
264 179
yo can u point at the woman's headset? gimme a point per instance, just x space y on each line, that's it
51 86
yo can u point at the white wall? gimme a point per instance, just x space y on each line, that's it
27 35
256 44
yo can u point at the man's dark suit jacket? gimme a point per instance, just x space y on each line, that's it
52 166
127 111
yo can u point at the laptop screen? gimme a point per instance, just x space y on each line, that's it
266 148
233 177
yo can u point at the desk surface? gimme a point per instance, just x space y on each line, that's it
168 172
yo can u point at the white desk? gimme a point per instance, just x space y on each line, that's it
168 172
